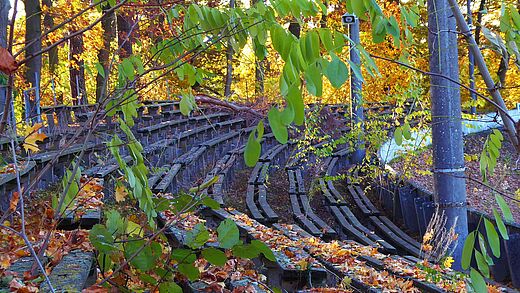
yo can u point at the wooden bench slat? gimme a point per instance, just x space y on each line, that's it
317 220
394 238
349 229
262 201
71 274
399 232
326 193
168 178
370 234
359 203
251 205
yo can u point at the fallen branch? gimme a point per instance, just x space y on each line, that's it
205 99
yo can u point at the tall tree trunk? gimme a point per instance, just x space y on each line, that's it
447 142
323 20
259 71
33 31
478 25
108 25
48 23
259 77
502 71
5 5
77 71
229 60
124 34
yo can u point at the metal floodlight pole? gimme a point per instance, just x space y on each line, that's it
356 86
447 141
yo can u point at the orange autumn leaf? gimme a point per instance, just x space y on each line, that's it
7 63
120 193
32 136
14 201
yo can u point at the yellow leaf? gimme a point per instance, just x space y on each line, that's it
427 236
32 136
303 264
448 261
121 193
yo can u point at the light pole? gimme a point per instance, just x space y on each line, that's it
356 85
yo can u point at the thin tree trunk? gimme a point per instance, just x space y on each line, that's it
259 72
48 23
124 37
502 71
33 31
229 61
259 77
77 71
5 5
447 143
478 27
323 20
108 25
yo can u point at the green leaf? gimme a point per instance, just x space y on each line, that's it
277 127
477 281
228 234
356 70
100 69
326 39
214 256
314 80
500 224
481 263
492 235
245 251
144 259
358 7
104 261
128 69
260 131
467 250
392 27
116 225
287 115
211 203
336 71
197 237
504 207
190 271
295 96
483 248
407 134
182 255
186 104
101 239
264 249
169 287
379 29
252 150
398 136
310 46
